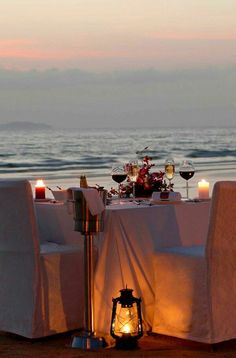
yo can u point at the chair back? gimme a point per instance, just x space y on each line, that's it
221 257
19 257
18 229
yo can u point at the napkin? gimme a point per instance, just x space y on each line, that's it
93 200
60 195
166 195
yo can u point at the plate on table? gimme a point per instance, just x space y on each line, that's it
197 200
161 202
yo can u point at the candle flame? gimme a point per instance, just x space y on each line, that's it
126 328
40 184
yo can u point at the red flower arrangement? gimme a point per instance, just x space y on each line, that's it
147 181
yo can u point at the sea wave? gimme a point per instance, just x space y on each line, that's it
61 154
204 153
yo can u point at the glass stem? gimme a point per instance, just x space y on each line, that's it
187 188
133 190
119 192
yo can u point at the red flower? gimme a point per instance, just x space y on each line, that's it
147 179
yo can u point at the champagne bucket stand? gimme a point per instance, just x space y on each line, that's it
88 225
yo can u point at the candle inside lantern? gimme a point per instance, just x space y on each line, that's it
203 189
126 321
126 328
40 189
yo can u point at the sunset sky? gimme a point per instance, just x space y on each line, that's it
105 35
126 63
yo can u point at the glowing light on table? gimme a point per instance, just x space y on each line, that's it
40 189
203 189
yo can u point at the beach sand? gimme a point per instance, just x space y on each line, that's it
149 346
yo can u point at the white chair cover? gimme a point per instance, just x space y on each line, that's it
40 293
195 287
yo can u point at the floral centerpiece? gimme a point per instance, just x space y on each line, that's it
147 181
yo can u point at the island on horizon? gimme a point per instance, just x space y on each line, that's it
24 125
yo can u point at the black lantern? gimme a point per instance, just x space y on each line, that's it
126 321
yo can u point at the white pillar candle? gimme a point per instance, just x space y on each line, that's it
203 189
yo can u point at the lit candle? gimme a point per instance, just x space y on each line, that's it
40 189
126 328
203 189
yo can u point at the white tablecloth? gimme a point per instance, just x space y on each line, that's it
126 247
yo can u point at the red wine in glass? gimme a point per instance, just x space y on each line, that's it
119 174
186 171
118 178
187 175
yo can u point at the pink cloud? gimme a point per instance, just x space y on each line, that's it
153 50
25 49
17 48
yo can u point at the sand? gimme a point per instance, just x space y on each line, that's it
149 346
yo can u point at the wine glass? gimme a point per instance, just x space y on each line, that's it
186 171
133 172
119 174
169 170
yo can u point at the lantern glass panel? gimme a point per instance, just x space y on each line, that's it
126 320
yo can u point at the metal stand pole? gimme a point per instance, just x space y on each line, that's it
87 339
89 289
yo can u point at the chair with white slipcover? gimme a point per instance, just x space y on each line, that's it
195 287
41 290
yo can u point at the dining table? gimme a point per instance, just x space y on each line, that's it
133 232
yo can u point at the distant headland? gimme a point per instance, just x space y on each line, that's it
24 126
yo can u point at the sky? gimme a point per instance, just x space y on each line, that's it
109 55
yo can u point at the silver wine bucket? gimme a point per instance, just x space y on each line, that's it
84 221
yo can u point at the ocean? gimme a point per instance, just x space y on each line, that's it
61 156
